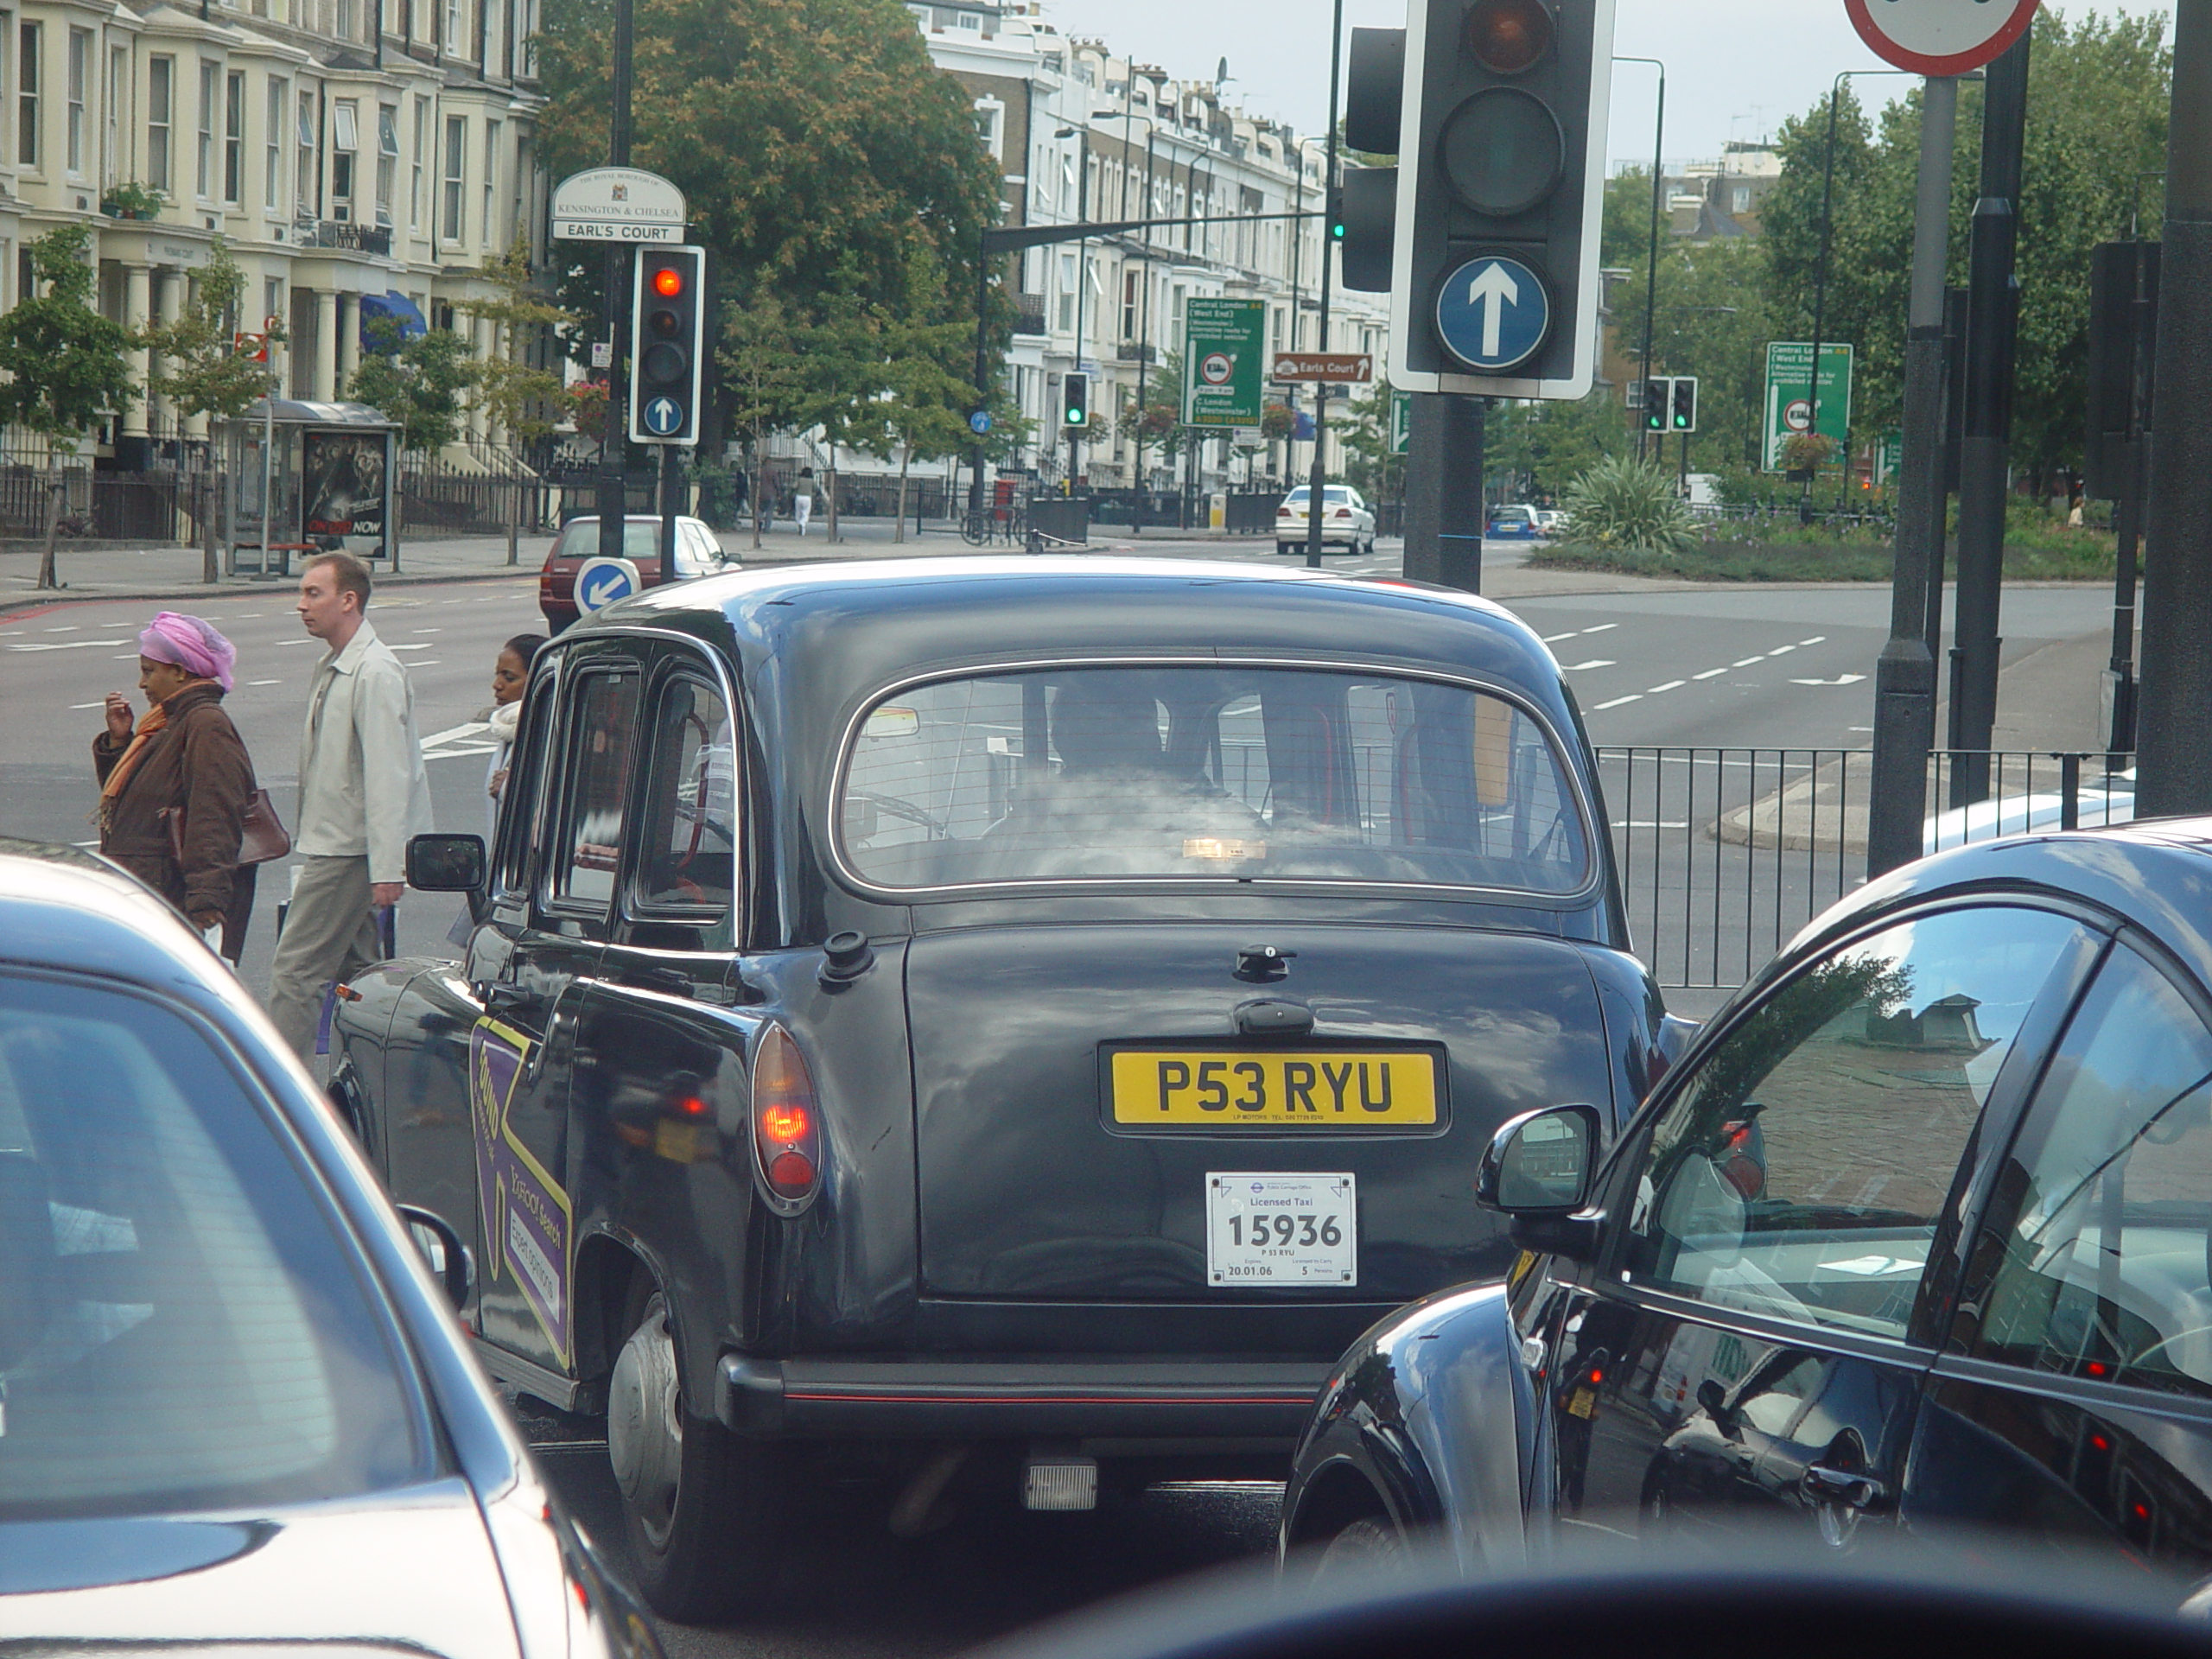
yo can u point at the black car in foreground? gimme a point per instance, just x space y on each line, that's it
1915 1241
236 1415
1029 1013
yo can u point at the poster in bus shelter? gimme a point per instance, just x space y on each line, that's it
342 493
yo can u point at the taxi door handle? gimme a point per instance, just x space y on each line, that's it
1848 1487
503 996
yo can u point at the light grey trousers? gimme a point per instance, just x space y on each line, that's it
328 934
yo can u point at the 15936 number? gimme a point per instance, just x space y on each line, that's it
1285 1230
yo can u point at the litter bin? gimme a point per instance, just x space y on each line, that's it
1060 519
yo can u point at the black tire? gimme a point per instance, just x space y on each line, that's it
705 1550
1367 1553
1283 549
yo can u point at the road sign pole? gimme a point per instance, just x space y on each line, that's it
1904 676
2174 728
1444 490
1317 494
614 505
1984 453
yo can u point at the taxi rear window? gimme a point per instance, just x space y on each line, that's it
1149 773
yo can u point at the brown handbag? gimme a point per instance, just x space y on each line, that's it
261 833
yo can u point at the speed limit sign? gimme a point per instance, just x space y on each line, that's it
1940 37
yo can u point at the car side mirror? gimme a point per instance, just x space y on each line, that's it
442 1248
1540 1163
1714 1399
445 863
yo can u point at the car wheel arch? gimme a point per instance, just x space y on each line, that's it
607 1267
1334 1496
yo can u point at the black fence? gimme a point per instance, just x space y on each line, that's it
1724 854
158 509
439 498
1251 512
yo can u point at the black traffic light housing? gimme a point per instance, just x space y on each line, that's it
1682 406
667 344
1075 401
1658 391
1363 209
1501 157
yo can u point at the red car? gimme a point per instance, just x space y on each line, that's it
698 553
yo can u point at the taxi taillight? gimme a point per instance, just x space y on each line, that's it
786 1124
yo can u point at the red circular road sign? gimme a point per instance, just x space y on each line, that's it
1940 37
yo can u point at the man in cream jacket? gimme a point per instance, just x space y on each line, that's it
363 793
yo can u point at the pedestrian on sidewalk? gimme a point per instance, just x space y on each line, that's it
186 757
803 500
363 793
510 679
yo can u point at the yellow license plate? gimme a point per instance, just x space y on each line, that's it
1313 1089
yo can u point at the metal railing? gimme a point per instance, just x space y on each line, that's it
1724 853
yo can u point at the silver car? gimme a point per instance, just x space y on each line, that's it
235 1405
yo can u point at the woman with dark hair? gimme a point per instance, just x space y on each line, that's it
186 756
510 679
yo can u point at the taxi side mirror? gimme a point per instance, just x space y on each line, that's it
445 863
1540 1163
441 1247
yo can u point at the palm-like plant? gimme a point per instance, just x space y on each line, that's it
1629 507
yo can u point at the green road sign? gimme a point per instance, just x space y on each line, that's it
1789 409
1225 379
1401 421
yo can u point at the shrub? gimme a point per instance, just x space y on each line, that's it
1629 506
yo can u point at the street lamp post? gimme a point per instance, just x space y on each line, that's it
1651 253
1144 314
1316 491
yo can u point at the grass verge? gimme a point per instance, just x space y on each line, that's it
2086 560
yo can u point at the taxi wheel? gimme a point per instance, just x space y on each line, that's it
700 1505
1369 1551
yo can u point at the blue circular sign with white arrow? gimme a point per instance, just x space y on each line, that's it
980 421
1492 313
601 582
662 416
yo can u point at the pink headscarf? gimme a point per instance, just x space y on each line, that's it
192 644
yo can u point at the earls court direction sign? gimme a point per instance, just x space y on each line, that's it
618 204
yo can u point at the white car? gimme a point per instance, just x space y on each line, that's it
1346 520
1549 521
2111 800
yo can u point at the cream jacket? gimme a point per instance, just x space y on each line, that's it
363 787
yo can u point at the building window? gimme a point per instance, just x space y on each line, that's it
345 140
349 19
456 162
272 149
234 137
415 161
160 86
1128 305
211 89
27 96
304 175
80 71
526 25
272 297
1067 293
453 26
1743 199
119 74
387 158
491 179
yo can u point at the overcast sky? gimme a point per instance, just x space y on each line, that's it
1735 68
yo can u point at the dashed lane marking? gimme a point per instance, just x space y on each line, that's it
1669 686
1708 673
1633 696
1595 662
70 645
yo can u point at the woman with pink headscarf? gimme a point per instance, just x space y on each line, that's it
183 753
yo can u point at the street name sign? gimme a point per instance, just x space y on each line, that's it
1492 313
618 204
1940 37
1222 344
1346 368
1788 408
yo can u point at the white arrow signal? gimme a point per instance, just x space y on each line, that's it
1493 290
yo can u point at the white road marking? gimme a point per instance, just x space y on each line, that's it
1840 679
1782 651
1554 639
1653 823
429 630
454 733
1748 661
1633 696
1816 639
1670 685
74 707
1600 627
1595 662
308 640
265 681
460 749
72 628
431 662
1708 673
70 645
422 646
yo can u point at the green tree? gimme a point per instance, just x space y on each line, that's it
419 383
1371 467
524 397
62 365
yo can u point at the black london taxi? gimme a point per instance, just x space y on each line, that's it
1913 1247
1036 1010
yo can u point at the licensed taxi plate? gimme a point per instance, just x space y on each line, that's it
1281 1089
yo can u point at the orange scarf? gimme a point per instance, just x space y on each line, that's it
155 720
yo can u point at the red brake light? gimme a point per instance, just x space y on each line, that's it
786 1135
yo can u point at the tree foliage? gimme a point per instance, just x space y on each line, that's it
419 383
200 370
65 366
524 399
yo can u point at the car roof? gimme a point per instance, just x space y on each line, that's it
64 908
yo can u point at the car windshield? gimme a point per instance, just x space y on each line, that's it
181 1326
1230 773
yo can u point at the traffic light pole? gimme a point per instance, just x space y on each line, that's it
1904 678
2173 728
1652 252
1444 490
613 506
1317 490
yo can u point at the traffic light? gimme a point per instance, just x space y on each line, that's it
1684 405
1657 395
1075 400
1500 184
667 321
1363 209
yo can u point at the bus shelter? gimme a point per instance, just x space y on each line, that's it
328 475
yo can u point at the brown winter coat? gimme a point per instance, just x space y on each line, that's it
198 762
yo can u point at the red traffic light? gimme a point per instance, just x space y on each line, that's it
668 281
1507 37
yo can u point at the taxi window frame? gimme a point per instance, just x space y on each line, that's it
676 666
516 853
1598 850
614 657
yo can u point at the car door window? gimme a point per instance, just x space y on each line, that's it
2107 1266
688 861
520 803
601 734
1800 1171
